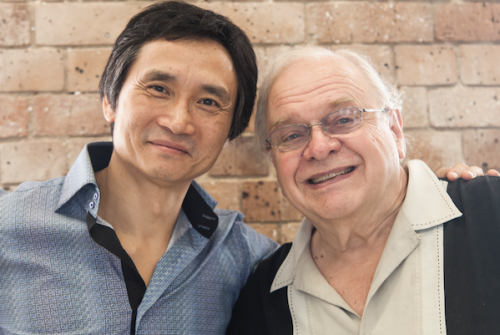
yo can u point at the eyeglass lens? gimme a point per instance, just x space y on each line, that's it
293 137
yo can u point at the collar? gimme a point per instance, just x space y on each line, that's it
426 205
80 186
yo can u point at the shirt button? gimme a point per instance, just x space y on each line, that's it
91 205
96 196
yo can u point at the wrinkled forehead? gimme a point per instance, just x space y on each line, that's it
316 84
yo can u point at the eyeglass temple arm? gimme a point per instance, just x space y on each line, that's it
375 110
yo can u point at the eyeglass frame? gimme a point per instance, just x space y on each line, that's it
361 110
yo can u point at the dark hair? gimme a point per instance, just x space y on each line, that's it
172 20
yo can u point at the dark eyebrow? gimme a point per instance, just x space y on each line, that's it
159 76
218 91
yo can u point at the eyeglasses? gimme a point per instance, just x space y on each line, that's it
343 121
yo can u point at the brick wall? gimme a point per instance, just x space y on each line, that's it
444 56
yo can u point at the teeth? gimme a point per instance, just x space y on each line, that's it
330 176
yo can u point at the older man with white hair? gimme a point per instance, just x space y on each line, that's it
383 249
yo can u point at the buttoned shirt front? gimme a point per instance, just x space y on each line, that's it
58 275
407 293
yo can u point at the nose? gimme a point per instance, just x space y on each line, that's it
178 118
320 144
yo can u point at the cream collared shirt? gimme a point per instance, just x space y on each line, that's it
407 292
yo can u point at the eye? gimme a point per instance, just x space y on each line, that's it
157 90
289 137
344 120
209 102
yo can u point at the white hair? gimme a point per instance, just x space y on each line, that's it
383 92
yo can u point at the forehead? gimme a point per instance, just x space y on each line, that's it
311 88
207 58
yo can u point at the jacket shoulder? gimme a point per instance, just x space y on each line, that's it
258 311
471 253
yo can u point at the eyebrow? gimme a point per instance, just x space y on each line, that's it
333 105
218 91
159 75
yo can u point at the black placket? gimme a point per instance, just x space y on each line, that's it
200 215
106 237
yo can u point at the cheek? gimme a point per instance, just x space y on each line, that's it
286 168
383 142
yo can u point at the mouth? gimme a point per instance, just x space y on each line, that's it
170 145
329 176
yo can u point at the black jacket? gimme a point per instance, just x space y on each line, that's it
471 267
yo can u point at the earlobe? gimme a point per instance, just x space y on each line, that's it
109 113
397 130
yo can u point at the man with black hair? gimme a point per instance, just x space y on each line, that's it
127 242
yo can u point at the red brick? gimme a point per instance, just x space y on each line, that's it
265 22
14 25
260 54
425 65
23 161
14 116
480 64
31 70
268 229
241 157
436 148
288 231
227 193
68 23
468 22
380 55
482 147
73 147
85 67
465 107
271 53
72 115
369 22
261 201
414 107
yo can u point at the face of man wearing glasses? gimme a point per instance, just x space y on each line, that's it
331 176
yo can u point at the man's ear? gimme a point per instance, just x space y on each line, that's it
397 130
109 113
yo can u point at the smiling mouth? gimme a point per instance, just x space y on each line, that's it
329 176
170 145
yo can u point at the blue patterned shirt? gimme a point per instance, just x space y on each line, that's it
56 279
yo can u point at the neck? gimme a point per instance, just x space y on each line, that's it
347 251
138 207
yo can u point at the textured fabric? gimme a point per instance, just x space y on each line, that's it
54 279
257 311
472 254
